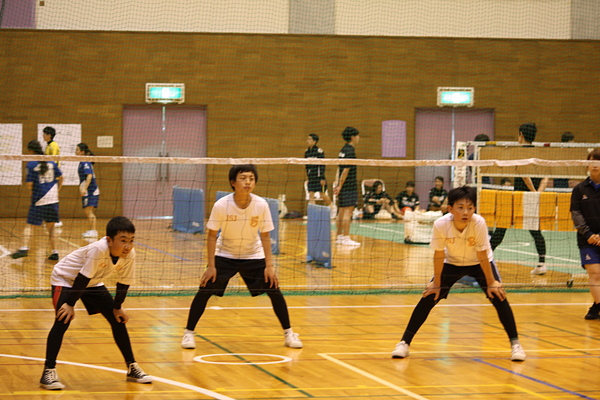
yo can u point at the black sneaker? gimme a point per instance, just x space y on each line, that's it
19 254
593 312
53 257
50 380
135 374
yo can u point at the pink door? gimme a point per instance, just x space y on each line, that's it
161 131
435 129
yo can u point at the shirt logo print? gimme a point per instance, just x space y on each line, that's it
587 257
254 222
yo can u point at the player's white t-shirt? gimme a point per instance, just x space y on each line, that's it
240 238
93 261
461 247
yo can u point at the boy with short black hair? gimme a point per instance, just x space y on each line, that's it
243 246
461 244
79 276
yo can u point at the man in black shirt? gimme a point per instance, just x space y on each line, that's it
316 173
526 136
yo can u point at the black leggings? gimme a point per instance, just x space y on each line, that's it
119 329
540 242
201 299
426 304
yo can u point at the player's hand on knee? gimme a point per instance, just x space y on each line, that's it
210 274
65 313
271 277
121 315
430 289
496 290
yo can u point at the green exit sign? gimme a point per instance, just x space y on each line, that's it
455 97
165 93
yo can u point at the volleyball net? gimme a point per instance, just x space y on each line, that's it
169 200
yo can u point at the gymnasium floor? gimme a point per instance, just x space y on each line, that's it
460 353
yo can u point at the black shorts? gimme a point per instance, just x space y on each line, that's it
314 185
347 198
96 299
252 271
452 273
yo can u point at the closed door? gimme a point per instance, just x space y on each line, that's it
436 132
161 131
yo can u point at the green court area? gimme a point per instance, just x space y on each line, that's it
562 253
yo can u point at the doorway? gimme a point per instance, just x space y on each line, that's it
161 131
436 132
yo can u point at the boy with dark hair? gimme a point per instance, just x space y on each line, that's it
460 241
527 133
243 246
80 276
317 182
346 188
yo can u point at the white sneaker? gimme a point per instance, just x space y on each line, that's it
401 350
540 270
517 353
58 224
50 380
340 239
90 234
292 341
188 341
349 242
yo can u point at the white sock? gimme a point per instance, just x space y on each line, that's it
186 331
24 248
288 331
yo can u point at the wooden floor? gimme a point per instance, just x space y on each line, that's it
460 353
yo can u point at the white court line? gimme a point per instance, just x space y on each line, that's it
4 251
535 254
193 388
354 353
373 377
309 307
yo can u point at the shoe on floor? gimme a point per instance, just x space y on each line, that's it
50 380
540 270
135 374
346 241
53 257
517 353
293 341
19 254
593 312
401 350
188 341
58 224
90 234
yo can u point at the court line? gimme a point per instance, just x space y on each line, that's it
312 307
272 375
5 252
373 377
182 385
535 380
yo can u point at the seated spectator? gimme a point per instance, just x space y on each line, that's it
437 195
377 199
407 200
506 182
